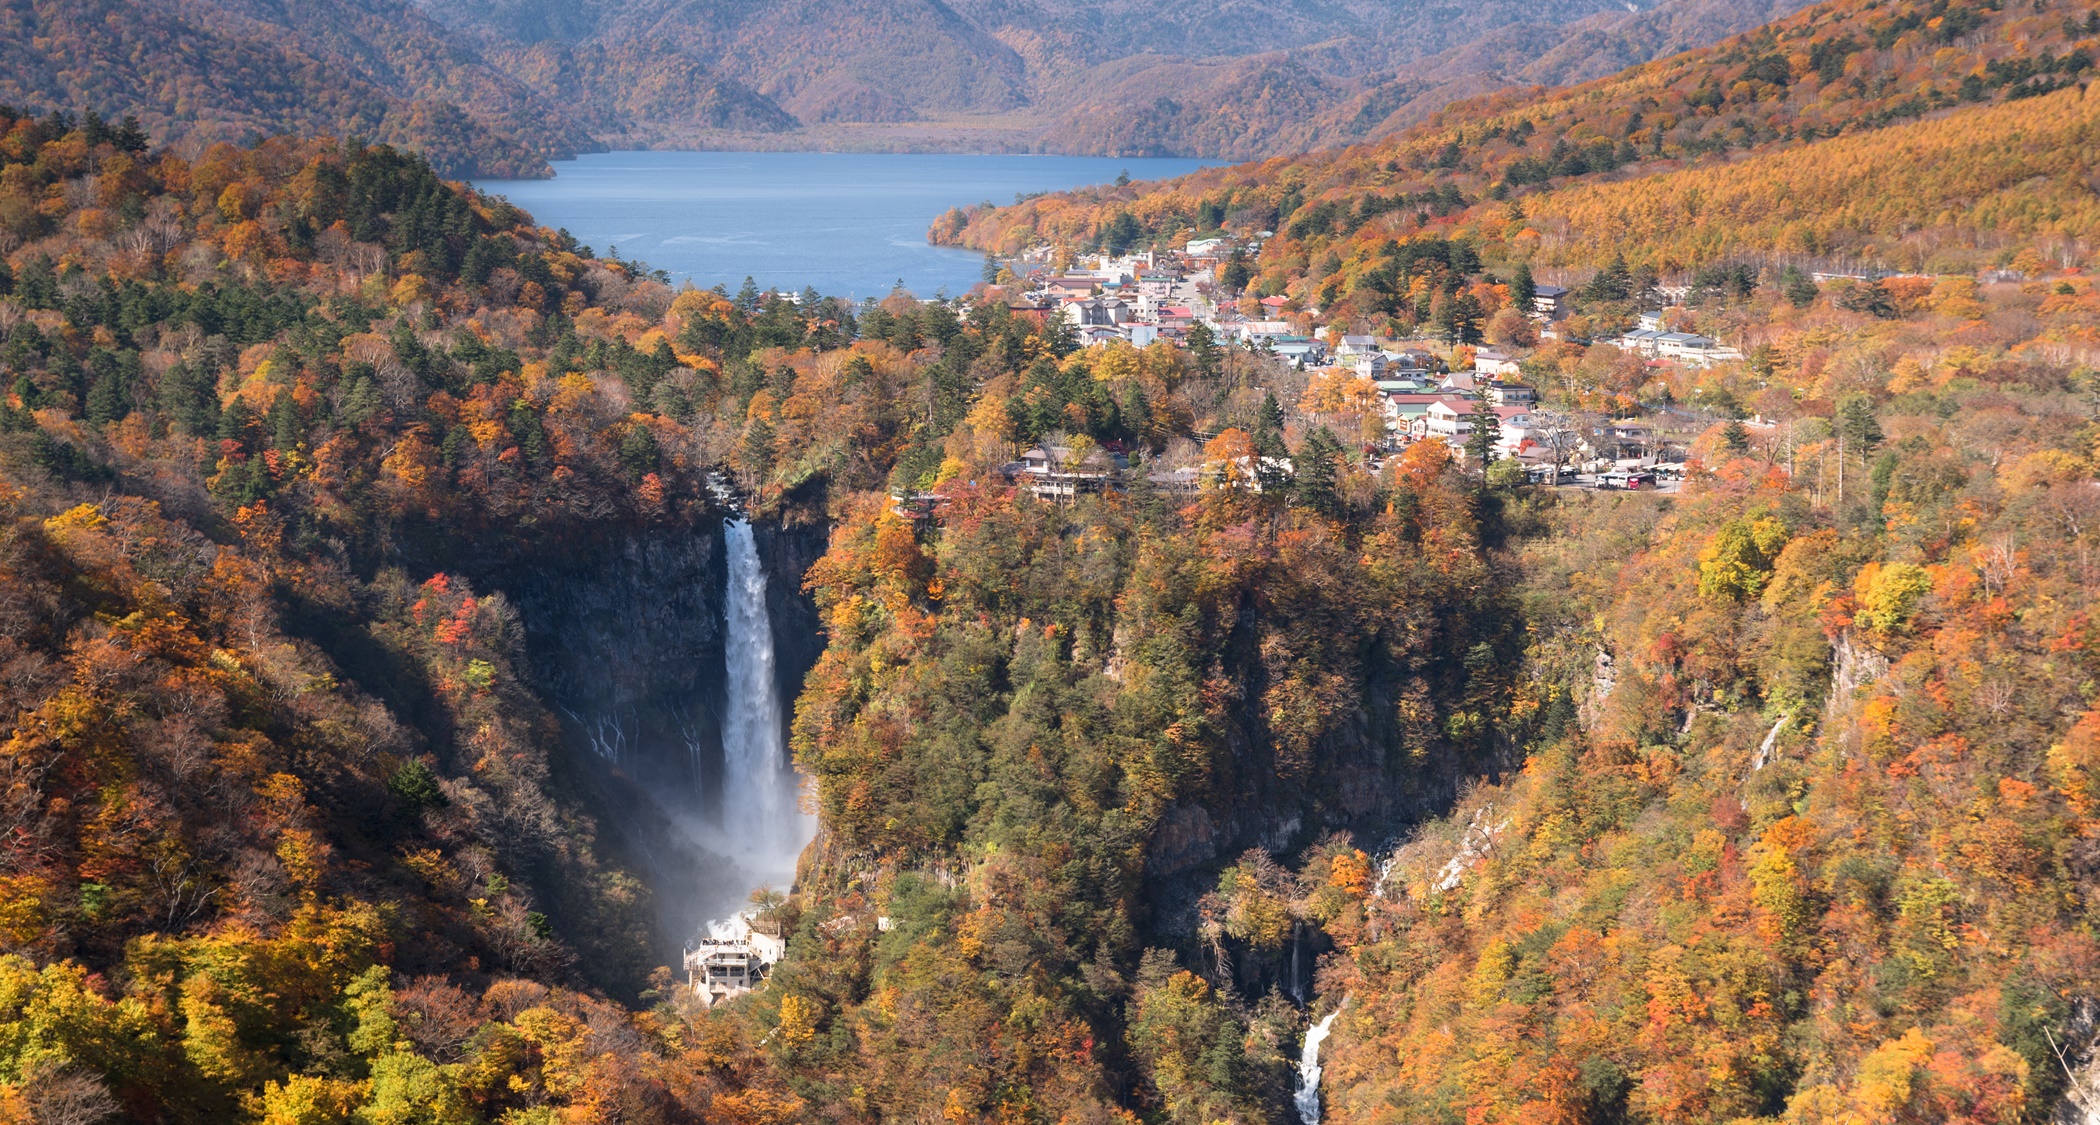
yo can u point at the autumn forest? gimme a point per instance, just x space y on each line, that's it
1773 797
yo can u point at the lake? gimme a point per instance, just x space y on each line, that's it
847 224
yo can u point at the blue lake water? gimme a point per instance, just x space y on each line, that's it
847 224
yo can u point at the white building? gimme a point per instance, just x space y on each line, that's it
732 960
1495 361
1682 347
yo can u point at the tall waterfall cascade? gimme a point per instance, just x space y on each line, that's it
1307 1095
763 827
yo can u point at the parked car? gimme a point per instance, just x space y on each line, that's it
1631 482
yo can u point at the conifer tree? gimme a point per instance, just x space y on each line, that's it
1796 286
1268 429
1522 289
1735 437
1203 347
1485 435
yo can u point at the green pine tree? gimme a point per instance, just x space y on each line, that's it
1268 429
1735 437
1797 288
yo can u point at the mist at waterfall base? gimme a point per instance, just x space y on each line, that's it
761 828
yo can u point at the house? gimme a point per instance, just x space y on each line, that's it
1698 351
1065 288
1414 359
1100 310
1549 302
1141 335
1403 382
1209 247
1516 425
1371 365
1272 307
1251 473
1459 381
1351 346
1157 284
1405 411
1301 350
1053 473
1450 417
1683 347
1494 361
1645 341
1182 481
1097 334
1512 394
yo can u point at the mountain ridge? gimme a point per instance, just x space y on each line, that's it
497 88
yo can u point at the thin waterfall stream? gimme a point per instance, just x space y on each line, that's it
763 826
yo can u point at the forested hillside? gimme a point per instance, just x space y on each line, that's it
1491 168
1811 838
229 70
1769 800
292 831
1801 830
1350 90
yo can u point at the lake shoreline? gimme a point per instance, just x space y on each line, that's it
847 224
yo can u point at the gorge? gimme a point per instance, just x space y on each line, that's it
391 687
668 655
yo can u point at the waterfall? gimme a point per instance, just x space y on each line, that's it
1308 1094
763 827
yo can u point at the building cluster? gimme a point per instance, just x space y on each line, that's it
1154 297
1159 296
1655 342
1145 298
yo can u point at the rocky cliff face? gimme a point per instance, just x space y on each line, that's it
625 642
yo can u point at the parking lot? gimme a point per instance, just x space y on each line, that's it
1613 482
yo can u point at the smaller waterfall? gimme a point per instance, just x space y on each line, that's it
1308 1093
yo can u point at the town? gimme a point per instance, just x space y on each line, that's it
1399 391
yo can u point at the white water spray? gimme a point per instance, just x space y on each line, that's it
763 826
1308 1093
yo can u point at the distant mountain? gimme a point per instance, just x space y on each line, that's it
634 86
1314 97
1669 161
210 70
820 60
1229 78
499 87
